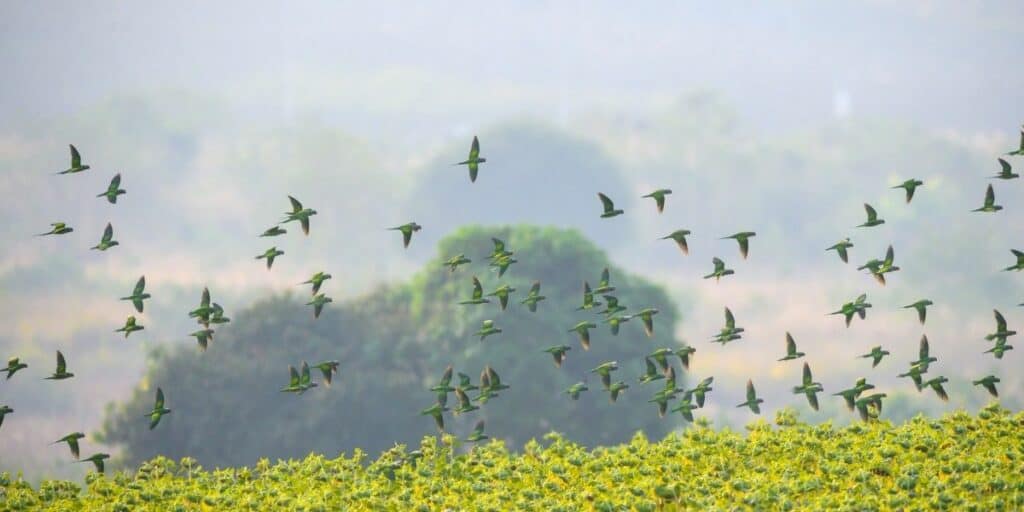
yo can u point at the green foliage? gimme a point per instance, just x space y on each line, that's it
393 345
958 462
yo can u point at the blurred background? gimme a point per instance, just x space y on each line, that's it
780 118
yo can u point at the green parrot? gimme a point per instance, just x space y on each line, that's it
730 332
647 315
4 411
914 373
558 353
990 205
1000 348
301 381
1017 152
13 365
684 354
493 380
465 405
850 395
924 359
615 321
670 382
661 398
203 337
604 285
743 238
533 297
873 219
274 231
809 388
72 441
922 308
436 410
129 326
318 302
1001 331
59 228
1007 172
502 264
97 460
454 262
487 328
158 410
499 249
886 266
989 383
841 248
407 231
76 162
605 370
113 190
874 402
651 373
609 207
478 294
575 390
615 389
660 356
701 390
583 329
686 407
659 197
217 316
464 382
588 298
300 214
138 294
478 433
317 280
444 384
269 255
502 293
791 352
679 236
203 312
753 402
876 355
61 372
108 239
474 160
1020 261
936 385
720 270
910 186
328 369
857 307
612 306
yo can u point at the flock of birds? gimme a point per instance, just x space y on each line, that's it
657 364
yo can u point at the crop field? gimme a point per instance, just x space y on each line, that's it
958 462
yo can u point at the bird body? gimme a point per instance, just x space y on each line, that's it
502 293
605 370
989 205
791 352
97 460
1006 171
753 402
72 441
850 395
1020 261
130 326
609 207
910 186
13 365
720 271
478 433
454 262
616 388
317 280
158 410
107 241
575 390
58 228
269 255
989 383
478 294
4 411
533 297
809 388
300 214
474 160
873 219
922 308
588 298
1017 152
113 190
203 337
841 249
327 369
558 353
487 328
651 373
407 231
76 162
61 372
583 329
318 303
138 294
274 231
876 355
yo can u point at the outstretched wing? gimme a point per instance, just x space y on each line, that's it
159 399
76 159
607 202
296 205
872 214
140 286
474 149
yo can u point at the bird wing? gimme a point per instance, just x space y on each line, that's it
730 321
744 246
159 399
1006 167
294 376
872 214
108 233
889 256
76 159
115 183
990 196
605 278
651 369
535 289
719 264
808 379
296 205
791 346
204 301
140 286
406 237
62 365
474 149
607 202
1000 321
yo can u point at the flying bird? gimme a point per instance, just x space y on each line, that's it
130 326
465 404
317 280
61 372
720 270
138 294
651 372
533 297
615 321
605 370
615 389
478 294
113 189
876 355
583 329
730 332
647 316
1006 173
1001 330
274 231
474 160
435 411
753 402
850 395
72 441
203 337
791 352
679 236
487 328
328 369
269 255
502 293
575 390
910 186
454 262
478 433
659 197
809 388
76 162
1017 152
699 392
407 231
609 207
612 306
604 285
4 411
158 410
558 353
841 248
870 407
873 219
924 358
1020 261
13 365
936 385
501 264
318 302
588 298
990 205
58 228
857 307
300 214
97 460
989 383
922 308
107 241
743 239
